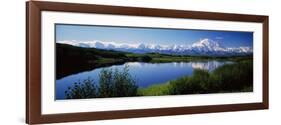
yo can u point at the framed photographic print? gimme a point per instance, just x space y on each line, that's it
93 62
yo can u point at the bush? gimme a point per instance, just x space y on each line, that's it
237 77
197 83
105 83
123 83
87 89
234 77
111 84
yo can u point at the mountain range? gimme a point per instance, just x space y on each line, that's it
203 47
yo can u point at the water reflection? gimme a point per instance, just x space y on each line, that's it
209 65
145 74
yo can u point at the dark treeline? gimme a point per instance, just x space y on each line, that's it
71 59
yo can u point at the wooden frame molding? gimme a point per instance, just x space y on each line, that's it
33 61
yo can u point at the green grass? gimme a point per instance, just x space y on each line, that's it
155 90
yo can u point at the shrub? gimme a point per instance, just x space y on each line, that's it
197 83
123 83
234 77
111 84
105 83
237 77
87 89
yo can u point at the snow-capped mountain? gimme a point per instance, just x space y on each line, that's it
204 47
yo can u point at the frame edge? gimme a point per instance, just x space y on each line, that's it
33 63
33 67
266 62
27 61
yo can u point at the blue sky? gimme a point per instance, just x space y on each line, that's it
151 35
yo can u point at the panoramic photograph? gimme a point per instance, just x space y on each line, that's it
115 61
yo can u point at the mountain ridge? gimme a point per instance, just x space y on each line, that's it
203 47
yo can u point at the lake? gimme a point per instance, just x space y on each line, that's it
145 74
